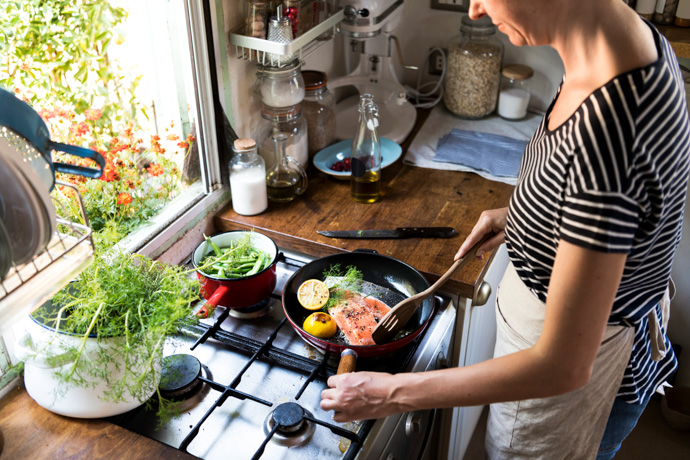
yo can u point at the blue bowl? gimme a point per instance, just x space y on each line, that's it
324 159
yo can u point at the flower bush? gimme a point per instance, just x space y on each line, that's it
138 179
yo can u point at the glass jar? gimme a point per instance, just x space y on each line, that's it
247 179
256 18
365 155
286 178
289 121
513 98
665 11
280 87
473 73
318 109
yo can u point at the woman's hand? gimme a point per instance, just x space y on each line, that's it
494 221
360 396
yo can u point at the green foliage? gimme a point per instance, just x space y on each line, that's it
55 53
340 286
131 297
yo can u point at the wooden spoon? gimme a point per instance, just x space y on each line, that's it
399 315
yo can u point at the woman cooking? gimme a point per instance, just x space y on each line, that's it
591 232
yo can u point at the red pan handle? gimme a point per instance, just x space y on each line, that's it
348 361
207 309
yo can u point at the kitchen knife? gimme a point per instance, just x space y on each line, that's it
402 232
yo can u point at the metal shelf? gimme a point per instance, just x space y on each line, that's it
266 52
27 286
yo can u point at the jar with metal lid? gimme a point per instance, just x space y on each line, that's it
473 72
280 86
289 121
514 96
318 109
247 179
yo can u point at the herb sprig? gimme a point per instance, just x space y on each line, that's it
340 285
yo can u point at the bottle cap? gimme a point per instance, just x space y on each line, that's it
243 144
517 71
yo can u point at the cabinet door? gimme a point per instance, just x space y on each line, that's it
476 345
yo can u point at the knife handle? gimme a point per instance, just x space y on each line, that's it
426 232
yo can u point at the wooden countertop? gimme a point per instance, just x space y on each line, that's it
31 432
412 196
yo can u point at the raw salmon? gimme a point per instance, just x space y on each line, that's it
357 316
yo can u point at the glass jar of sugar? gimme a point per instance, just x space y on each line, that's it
515 92
280 86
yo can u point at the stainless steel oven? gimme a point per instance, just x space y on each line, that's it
250 388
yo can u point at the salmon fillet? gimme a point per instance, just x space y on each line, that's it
357 317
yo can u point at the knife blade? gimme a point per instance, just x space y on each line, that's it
401 232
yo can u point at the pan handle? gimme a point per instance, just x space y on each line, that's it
207 309
348 361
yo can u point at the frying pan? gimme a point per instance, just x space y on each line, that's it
396 279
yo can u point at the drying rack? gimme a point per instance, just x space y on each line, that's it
265 52
69 251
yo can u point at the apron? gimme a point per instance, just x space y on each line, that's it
568 426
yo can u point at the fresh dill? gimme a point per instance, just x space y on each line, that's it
340 285
130 304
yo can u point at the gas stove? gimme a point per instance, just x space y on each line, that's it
249 387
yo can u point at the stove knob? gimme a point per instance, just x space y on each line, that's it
482 295
441 361
413 424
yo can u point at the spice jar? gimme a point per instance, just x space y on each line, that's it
665 11
256 18
473 73
288 121
318 109
280 87
247 179
515 91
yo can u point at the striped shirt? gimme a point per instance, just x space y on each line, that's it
612 178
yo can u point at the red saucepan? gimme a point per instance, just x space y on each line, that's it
398 280
236 292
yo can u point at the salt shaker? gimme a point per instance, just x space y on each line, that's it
280 31
513 98
247 179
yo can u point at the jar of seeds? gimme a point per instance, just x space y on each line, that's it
318 108
474 70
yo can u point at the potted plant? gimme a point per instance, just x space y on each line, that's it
95 349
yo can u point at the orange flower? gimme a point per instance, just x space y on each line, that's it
79 129
190 138
173 137
124 198
183 145
24 66
155 169
93 114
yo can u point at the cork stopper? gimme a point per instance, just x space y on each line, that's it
517 72
244 144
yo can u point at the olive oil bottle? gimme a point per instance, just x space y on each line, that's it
365 163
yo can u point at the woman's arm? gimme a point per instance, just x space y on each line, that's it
583 285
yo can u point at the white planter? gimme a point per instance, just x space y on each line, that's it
41 349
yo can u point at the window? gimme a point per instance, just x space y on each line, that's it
132 80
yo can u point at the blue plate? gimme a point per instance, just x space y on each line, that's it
390 152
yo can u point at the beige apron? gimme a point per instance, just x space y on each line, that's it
568 426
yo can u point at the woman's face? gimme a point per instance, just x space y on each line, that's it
518 19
